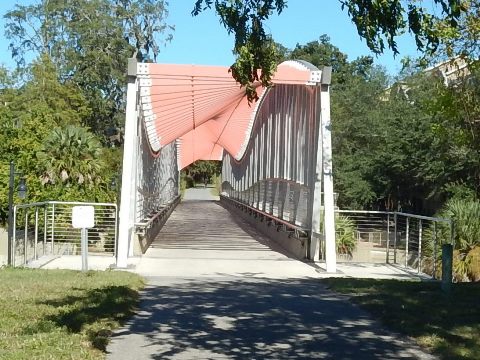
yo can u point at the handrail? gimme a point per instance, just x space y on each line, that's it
363 211
44 203
286 223
148 223
424 217
421 217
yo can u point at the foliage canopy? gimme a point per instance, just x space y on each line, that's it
379 22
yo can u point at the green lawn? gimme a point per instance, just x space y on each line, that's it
448 326
61 314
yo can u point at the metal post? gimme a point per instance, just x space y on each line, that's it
434 249
45 213
25 238
84 239
116 231
406 241
395 218
14 236
36 234
388 238
10 212
53 229
419 245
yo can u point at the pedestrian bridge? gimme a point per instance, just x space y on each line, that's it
276 156
194 243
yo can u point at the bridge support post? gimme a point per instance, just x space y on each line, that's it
129 173
329 202
323 174
316 202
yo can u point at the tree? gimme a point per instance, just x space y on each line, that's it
323 53
379 22
463 39
204 170
70 155
89 41
28 115
70 165
410 145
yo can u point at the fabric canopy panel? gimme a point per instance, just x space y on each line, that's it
204 108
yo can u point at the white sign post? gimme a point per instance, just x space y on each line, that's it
83 217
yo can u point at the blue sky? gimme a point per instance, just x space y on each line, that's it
202 40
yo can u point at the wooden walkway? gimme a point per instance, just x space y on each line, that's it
201 238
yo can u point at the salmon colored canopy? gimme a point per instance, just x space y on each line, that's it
204 107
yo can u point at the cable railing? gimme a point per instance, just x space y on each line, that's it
407 240
45 228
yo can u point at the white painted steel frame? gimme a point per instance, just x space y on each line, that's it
329 201
287 163
150 180
129 174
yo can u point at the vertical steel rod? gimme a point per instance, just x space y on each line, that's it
395 218
388 238
407 235
435 250
45 213
116 232
14 236
36 234
84 241
11 221
420 245
53 229
25 238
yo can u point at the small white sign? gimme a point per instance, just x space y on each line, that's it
83 217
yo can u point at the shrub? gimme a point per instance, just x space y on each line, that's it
345 235
465 215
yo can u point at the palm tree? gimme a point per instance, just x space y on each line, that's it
70 155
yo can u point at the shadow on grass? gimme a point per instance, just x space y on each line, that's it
448 324
95 313
252 319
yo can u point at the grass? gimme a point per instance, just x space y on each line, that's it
61 314
448 326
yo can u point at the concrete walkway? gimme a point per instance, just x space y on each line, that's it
219 290
200 193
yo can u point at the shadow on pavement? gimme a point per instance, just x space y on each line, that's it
253 319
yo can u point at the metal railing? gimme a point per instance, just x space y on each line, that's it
160 215
282 199
408 240
417 244
286 226
45 228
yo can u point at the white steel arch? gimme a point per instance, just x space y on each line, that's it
277 156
